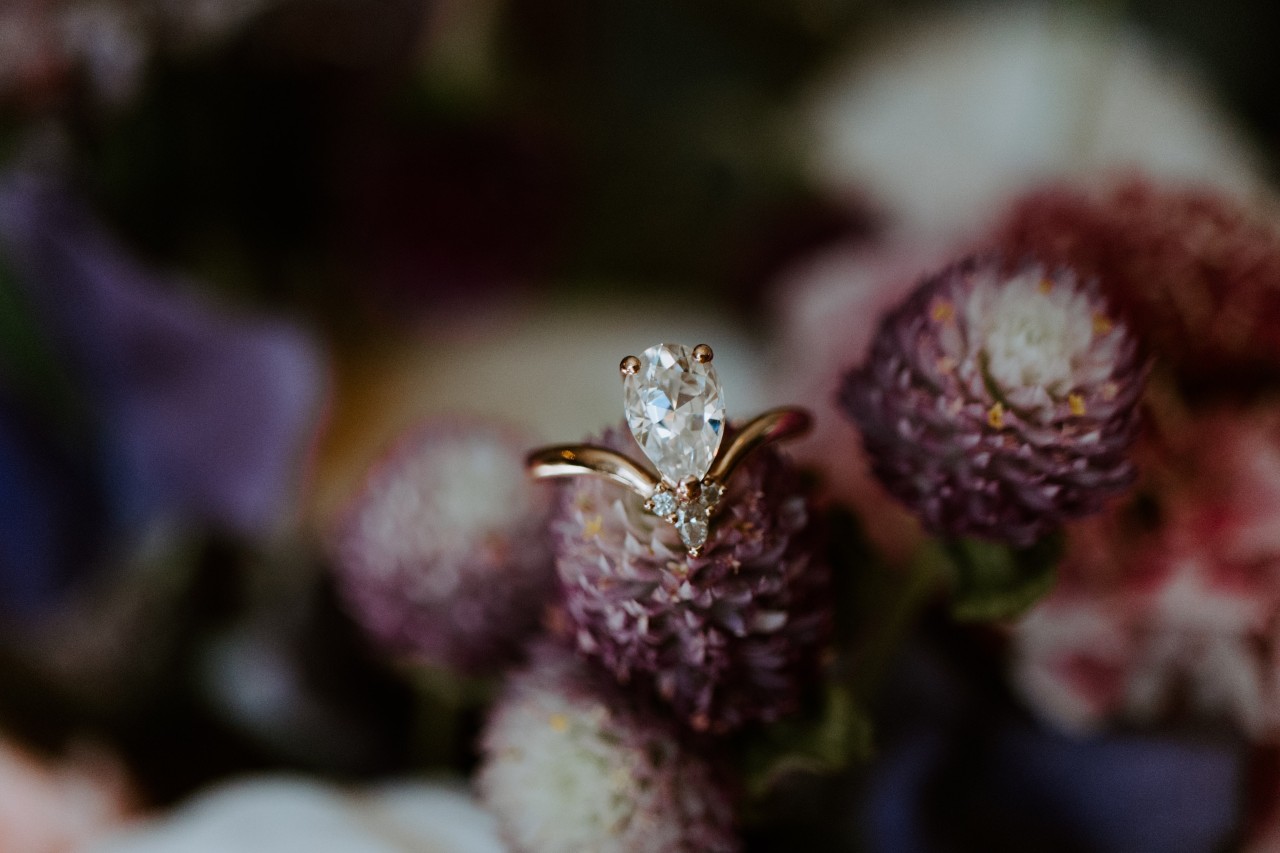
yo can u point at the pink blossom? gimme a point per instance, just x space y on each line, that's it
1178 616
58 808
830 307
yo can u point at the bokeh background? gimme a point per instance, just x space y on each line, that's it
244 244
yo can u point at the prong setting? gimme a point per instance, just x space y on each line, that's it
687 488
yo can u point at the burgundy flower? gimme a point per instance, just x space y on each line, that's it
443 555
728 637
570 766
999 404
1196 272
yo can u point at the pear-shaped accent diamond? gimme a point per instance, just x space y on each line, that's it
675 410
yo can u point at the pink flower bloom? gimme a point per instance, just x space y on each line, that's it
1179 618
999 403
58 808
731 637
443 555
830 308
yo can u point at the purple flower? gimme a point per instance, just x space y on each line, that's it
960 767
568 765
443 554
727 638
150 404
204 413
998 404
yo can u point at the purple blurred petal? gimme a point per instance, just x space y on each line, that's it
205 412
963 769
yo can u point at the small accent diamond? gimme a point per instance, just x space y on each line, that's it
692 525
663 503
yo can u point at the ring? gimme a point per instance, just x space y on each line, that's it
675 409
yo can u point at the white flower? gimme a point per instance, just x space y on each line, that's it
954 115
566 770
46 807
292 815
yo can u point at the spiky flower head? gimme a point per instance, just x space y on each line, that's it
1196 271
729 637
998 404
570 766
443 555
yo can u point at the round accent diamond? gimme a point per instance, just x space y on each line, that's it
675 410
664 504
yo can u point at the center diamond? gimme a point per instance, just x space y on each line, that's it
675 410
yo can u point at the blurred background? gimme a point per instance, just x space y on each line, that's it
245 243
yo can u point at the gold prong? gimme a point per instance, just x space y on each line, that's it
703 354
630 366
688 490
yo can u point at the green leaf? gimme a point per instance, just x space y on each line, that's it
825 742
993 581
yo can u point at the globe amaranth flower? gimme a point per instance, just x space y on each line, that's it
569 766
443 554
998 404
1195 272
726 638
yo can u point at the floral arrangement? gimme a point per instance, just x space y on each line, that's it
280 564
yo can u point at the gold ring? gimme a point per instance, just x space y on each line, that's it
675 409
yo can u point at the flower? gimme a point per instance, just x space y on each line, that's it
569 766
443 553
151 407
270 813
48 48
205 412
960 766
830 306
62 806
1180 617
728 637
1197 271
960 111
999 404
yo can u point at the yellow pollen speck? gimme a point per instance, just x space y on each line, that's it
1101 324
592 528
559 722
1076 402
995 416
943 311
1046 285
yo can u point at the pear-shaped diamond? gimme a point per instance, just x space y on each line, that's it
675 410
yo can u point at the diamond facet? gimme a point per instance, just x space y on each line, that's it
675 410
